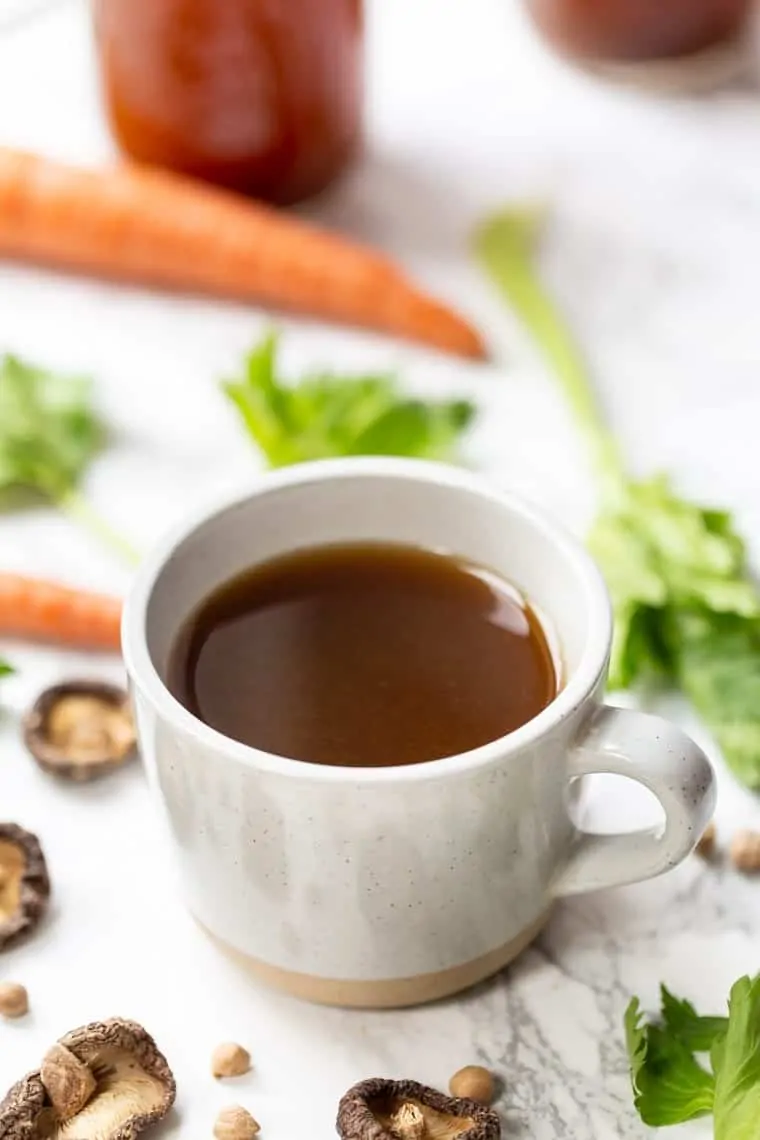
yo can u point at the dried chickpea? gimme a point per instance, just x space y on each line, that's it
235 1123
230 1060
14 1000
706 842
474 1083
745 851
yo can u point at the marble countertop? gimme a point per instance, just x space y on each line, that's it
655 250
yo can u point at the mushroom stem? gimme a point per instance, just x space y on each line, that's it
68 1082
408 1123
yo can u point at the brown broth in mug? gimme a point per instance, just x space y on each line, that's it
364 655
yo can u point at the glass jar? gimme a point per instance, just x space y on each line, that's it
262 96
705 38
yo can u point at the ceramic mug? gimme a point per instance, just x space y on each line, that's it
392 886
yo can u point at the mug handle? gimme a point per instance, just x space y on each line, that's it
658 755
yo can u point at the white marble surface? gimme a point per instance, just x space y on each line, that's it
656 253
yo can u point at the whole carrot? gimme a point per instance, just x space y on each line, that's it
47 611
138 224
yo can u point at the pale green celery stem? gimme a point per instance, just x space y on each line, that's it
508 261
77 508
561 353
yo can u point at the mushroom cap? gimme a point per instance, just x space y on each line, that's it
80 729
365 1112
135 1088
24 886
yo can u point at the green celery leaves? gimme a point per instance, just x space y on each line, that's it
329 415
687 613
682 1021
669 1083
736 1061
49 433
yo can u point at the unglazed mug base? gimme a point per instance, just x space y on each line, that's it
393 993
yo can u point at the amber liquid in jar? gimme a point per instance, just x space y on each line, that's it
262 96
640 31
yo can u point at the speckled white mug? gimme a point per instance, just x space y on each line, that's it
391 886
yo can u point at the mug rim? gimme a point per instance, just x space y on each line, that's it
145 676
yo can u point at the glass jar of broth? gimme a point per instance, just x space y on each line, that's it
261 96
683 42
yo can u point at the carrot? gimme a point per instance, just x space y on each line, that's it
47 611
139 224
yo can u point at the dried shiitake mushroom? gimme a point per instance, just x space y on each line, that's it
105 1081
24 883
380 1109
80 729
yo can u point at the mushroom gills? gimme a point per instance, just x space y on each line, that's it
86 728
438 1125
13 864
24 883
124 1091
